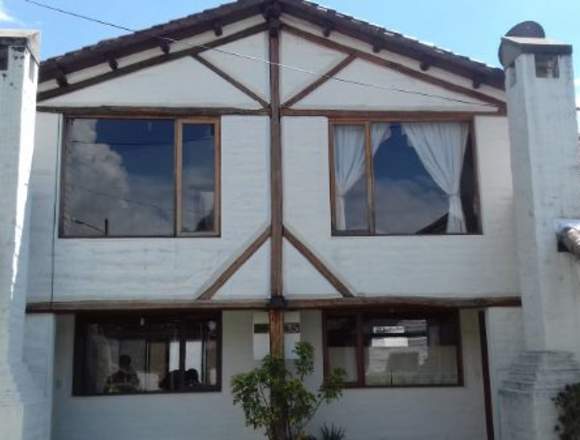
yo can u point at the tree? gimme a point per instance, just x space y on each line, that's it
273 394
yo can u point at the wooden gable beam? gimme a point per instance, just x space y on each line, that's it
238 262
319 81
150 62
325 42
234 82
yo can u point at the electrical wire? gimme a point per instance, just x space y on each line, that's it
261 60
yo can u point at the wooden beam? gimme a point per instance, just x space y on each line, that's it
113 64
486 375
395 116
148 111
150 62
61 79
359 302
403 301
165 47
276 194
276 315
318 82
276 320
318 264
234 82
136 305
394 66
218 28
234 266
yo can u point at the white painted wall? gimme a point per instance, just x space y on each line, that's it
408 413
39 352
442 266
156 268
179 268
187 416
374 414
22 404
505 340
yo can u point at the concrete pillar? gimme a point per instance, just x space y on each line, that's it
21 403
543 132
39 351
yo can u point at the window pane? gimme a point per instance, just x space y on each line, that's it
198 178
146 354
414 351
118 178
350 178
407 199
341 345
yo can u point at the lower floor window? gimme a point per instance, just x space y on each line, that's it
394 349
136 353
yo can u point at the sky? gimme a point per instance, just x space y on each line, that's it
467 27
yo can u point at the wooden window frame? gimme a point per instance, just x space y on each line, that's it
370 187
79 358
178 122
359 349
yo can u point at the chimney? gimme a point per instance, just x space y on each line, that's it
20 400
543 132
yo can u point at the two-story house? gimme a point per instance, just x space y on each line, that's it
265 168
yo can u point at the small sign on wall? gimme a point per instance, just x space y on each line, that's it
262 334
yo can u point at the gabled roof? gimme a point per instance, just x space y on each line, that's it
328 19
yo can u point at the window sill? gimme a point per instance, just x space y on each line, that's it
374 387
367 234
142 237
201 390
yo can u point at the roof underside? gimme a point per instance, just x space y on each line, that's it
213 19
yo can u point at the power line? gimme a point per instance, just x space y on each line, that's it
261 60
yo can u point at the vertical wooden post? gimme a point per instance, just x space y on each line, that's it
276 315
276 204
275 165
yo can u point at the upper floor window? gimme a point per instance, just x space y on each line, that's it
139 177
136 353
403 178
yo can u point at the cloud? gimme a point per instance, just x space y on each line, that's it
577 82
4 15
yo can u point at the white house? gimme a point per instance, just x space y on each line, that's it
193 187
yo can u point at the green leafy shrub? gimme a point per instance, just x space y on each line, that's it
274 395
568 404
332 433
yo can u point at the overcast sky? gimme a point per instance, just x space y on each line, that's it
471 28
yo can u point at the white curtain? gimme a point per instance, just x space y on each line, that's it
349 160
441 148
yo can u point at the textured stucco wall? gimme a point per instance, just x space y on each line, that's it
39 352
188 416
443 266
156 268
373 414
181 268
505 340
22 404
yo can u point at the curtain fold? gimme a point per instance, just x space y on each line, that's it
350 160
441 149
